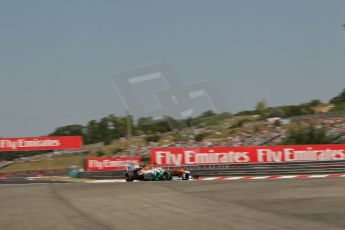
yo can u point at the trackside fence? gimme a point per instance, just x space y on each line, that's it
323 167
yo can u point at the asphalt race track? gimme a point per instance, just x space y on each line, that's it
262 205
17 181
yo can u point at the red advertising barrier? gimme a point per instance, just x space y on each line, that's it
110 164
252 154
40 143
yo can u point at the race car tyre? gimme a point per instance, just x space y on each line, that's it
128 177
166 176
185 177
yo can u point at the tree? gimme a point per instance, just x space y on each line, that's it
178 137
309 134
262 109
339 107
200 137
99 153
208 113
175 124
338 99
292 110
118 126
152 138
314 103
149 125
104 130
276 112
92 132
69 130
189 122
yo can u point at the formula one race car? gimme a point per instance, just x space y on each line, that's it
181 174
154 173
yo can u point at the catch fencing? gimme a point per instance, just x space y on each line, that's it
262 169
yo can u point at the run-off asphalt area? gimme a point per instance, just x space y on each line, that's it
263 205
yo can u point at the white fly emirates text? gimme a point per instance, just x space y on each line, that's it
23 143
103 164
260 155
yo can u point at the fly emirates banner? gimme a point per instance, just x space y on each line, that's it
242 155
40 143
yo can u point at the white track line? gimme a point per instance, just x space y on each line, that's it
286 177
243 178
107 181
273 177
234 178
210 178
318 176
259 177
